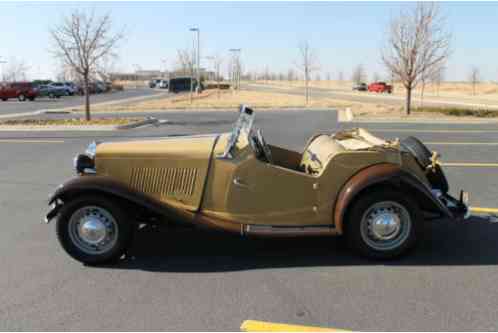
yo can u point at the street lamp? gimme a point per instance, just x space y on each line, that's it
198 57
236 74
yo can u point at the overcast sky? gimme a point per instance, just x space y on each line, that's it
343 34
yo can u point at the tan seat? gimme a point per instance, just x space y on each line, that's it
319 151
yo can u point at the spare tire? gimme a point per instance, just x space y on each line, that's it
420 151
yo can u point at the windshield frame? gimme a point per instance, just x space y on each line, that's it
243 126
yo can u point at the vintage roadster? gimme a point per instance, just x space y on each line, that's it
374 192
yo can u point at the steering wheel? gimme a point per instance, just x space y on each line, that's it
260 147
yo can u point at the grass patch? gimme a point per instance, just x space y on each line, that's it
459 112
226 99
69 122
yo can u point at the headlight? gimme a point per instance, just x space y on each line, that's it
84 164
91 149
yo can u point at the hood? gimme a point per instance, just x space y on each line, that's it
171 170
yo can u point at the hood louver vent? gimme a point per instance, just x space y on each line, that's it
164 182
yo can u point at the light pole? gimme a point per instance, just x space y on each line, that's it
236 64
198 61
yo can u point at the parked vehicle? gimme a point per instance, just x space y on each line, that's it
19 90
360 87
373 191
154 83
163 84
181 84
51 91
380 87
68 89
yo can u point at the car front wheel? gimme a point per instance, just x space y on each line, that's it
21 98
94 230
383 224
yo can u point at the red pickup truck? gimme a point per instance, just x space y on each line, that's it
19 90
380 87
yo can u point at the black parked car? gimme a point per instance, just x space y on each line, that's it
180 84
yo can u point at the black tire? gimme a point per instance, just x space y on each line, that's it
32 99
51 96
4 99
21 98
420 151
123 226
360 236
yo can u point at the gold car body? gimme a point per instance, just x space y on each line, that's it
190 174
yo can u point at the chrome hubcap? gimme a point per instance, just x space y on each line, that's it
93 230
385 225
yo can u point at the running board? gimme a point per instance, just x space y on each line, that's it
279 231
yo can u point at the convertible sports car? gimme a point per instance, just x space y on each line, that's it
374 192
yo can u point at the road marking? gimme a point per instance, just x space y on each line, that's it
265 326
430 131
29 141
483 210
470 165
463 143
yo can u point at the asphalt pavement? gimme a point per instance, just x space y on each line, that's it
13 106
193 280
368 97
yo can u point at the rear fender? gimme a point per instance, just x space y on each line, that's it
389 175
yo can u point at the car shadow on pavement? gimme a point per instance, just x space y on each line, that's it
473 242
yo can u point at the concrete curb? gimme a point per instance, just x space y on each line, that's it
141 123
24 128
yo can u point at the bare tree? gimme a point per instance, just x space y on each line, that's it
437 78
359 74
82 41
16 70
291 75
217 62
474 78
417 45
308 63
340 76
185 62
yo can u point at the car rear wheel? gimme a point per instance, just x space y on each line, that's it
383 224
51 95
94 230
21 98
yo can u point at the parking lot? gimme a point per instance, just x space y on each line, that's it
187 280
13 106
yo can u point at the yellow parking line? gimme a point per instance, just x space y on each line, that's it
265 326
470 165
430 130
483 210
464 143
29 141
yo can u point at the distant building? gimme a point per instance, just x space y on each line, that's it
145 75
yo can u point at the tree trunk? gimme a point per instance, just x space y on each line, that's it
87 99
422 95
408 101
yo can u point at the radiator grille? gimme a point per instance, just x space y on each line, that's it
164 181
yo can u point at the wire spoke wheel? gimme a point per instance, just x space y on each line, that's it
385 225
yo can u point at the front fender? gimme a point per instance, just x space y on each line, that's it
89 184
389 175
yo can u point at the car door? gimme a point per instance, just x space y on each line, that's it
265 194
